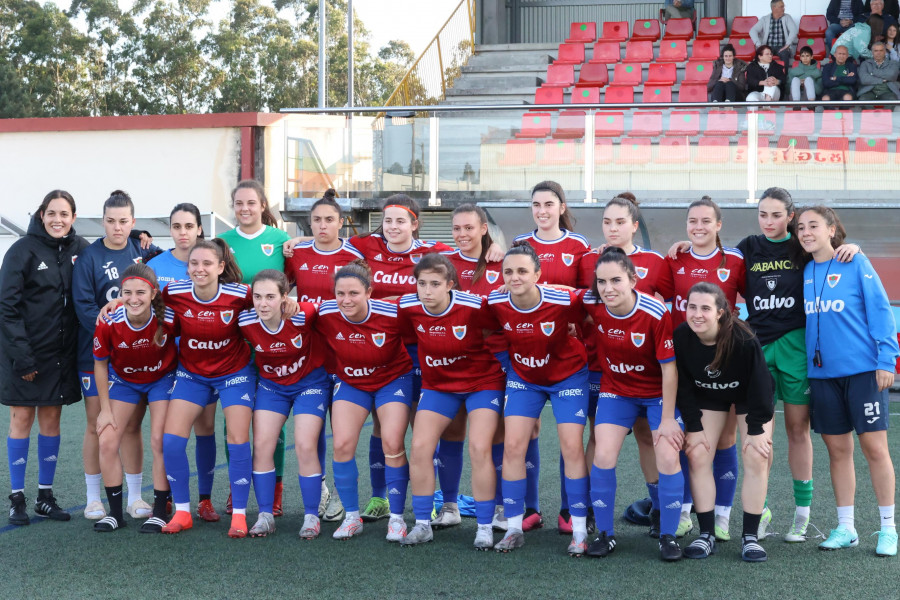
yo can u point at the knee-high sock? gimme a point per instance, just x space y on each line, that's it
240 472
376 468
397 480
346 480
279 455
687 497
532 475
264 487
177 468
48 454
450 469
603 498
514 497
17 453
578 493
725 470
422 507
497 458
671 490
205 455
653 492
311 492
484 512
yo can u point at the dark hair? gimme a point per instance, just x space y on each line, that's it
273 275
251 184
53 196
357 269
118 199
795 251
523 248
328 199
707 201
188 208
232 272
398 200
565 219
439 264
159 308
763 48
888 28
806 50
613 254
876 24
831 219
629 202
727 48
729 324
486 239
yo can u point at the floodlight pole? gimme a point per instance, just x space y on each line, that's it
323 70
350 53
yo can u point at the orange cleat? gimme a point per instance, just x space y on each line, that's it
277 509
207 512
228 504
182 521
238 526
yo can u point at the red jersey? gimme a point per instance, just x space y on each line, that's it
312 270
632 347
132 353
369 354
690 268
392 272
491 279
560 258
540 348
211 344
288 354
452 351
653 274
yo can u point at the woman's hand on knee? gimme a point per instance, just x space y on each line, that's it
696 443
760 444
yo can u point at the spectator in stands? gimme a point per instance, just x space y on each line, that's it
776 30
805 77
891 7
764 77
840 77
841 15
878 76
876 8
858 38
678 9
892 42
728 82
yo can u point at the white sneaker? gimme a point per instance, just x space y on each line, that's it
421 533
349 528
764 521
499 522
311 528
797 533
334 509
265 524
94 511
484 537
448 516
396 530
323 499
139 510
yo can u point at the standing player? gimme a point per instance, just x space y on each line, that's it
851 346
289 361
721 370
458 373
39 347
639 379
374 372
546 364
134 361
95 283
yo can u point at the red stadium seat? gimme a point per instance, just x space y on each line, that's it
619 94
645 123
713 150
558 152
679 29
569 125
741 26
705 50
799 122
570 54
548 95
593 75
875 122
766 122
634 151
793 148
721 122
697 71
744 48
674 150
836 122
645 29
762 149
606 52
615 31
673 50
603 151
640 51
609 124
628 74
518 153
535 125
870 151
585 95
813 26
712 28
817 45
585 33
692 92
661 74
684 123
562 76
832 150
656 93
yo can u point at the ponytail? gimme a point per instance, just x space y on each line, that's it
486 239
148 275
232 272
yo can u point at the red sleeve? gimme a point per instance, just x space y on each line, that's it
364 243
101 341
577 313
439 247
665 284
486 318
665 347
586 268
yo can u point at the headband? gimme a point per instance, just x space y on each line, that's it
407 209
140 279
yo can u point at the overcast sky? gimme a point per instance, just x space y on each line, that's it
414 21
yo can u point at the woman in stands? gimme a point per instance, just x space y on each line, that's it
722 370
39 347
728 81
765 77
547 363
851 349
185 227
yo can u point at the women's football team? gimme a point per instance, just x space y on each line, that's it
466 343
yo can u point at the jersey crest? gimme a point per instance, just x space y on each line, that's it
833 280
415 258
226 316
638 339
567 259
137 260
491 276
723 274
267 249
378 339
459 331
641 272
548 328
297 341
163 340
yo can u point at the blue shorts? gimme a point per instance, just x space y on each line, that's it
503 357
447 404
309 396
594 393
398 390
619 410
235 389
844 404
133 393
569 397
88 384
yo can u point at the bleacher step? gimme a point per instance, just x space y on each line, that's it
493 83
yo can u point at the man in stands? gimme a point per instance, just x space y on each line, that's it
841 15
876 7
678 9
840 76
891 7
778 31
878 75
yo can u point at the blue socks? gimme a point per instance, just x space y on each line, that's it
397 479
48 451
205 455
563 494
497 458
687 497
484 512
422 507
514 497
376 468
653 492
532 475
578 492
264 486
603 498
177 469
450 468
311 492
725 470
671 490
346 480
240 472
17 453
